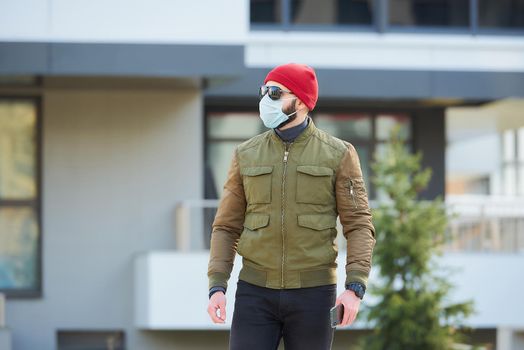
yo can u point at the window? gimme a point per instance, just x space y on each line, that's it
512 142
19 80
19 197
226 130
462 16
356 128
501 13
93 340
331 12
266 11
367 131
429 13
312 12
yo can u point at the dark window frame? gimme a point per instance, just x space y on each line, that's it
35 204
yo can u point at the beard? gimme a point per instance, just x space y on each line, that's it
288 110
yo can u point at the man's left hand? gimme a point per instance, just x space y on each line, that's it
351 304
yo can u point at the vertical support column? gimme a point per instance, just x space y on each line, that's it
504 338
286 14
182 227
429 136
381 15
473 16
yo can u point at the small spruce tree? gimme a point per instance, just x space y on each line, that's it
413 310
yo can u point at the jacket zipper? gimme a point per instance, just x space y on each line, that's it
286 153
352 193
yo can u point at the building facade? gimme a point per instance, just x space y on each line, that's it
118 122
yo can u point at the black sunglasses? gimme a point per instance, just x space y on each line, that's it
274 92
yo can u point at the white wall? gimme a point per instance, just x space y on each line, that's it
115 163
172 21
346 50
490 280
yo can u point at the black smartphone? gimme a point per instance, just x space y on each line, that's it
336 314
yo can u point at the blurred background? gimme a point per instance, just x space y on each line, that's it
118 120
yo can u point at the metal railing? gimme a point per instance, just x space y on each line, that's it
481 224
192 218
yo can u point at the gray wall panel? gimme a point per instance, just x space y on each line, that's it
23 58
145 59
378 84
121 59
492 85
373 84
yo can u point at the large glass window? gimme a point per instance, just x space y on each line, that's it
312 12
501 13
379 15
226 130
19 197
266 11
429 13
367 131
331 12
356 128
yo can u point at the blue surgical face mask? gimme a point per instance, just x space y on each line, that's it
271 111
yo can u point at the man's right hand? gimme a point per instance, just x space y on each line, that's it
217 302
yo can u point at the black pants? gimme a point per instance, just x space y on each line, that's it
262 316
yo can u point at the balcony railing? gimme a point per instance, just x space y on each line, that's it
486 223
481 224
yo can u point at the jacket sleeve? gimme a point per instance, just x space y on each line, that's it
355 217
227 227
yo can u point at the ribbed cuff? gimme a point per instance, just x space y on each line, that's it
216 289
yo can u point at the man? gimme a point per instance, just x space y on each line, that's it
284 190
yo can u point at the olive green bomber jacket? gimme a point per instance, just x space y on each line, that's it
279 208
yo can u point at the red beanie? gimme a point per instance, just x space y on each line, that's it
300 79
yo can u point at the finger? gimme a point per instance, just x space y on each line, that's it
222 311
355 312
352 316
212 310
345 318
211 313
218 319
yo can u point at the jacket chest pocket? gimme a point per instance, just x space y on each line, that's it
314 184
257 184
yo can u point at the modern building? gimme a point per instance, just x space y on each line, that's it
118 121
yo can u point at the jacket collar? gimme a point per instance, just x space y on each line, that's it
304 135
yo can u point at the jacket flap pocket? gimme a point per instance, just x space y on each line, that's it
256 170
317 221
314 170
254 221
